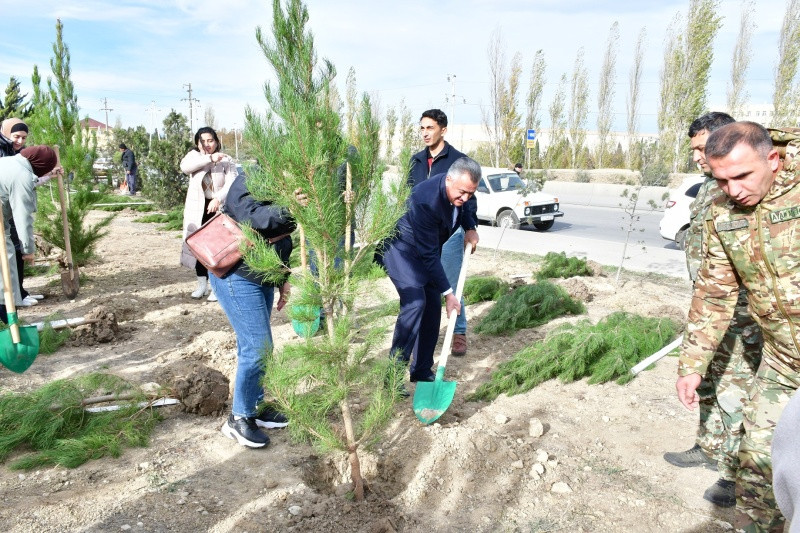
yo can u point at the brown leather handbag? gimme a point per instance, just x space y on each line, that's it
216 244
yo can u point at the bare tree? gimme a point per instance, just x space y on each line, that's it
534 100
784 99
578 108
605 93
634 91
558 124
497 76
407 129
737 92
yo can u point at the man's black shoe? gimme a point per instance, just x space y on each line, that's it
271 419
722 493
245 431
427 376
692 457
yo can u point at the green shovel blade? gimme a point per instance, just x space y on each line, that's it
307 322
431 399
19 357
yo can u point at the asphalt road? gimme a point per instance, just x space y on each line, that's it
606 223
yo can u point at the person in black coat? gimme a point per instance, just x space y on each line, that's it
436 209
247 300
130 166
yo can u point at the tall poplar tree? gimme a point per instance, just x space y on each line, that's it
534 100
632 103
605 94
555 153
578 109
737 89
299 143
687 65
785 99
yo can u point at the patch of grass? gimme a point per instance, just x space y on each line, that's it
50 340
603 351
483 289
527 307
40 269
558 265
52 425
172 221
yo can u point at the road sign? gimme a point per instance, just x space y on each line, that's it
530 139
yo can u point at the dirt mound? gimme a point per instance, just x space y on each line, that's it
103 328
577 289
201 390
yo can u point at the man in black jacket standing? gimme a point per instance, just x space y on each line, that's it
435 159
129 164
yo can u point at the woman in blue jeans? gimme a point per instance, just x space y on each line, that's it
247 301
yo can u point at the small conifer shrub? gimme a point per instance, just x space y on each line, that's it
527 307
483 289
558 265
603 351
51 424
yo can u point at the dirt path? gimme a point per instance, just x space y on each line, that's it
597 467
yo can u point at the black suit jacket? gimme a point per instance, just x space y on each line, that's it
414 254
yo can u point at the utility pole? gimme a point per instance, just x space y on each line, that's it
191 105
106 109
452 97
236 141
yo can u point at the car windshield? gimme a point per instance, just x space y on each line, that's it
505 182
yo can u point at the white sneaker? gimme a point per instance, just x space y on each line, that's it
212 297
28 301
36 296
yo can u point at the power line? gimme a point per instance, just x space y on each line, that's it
191 105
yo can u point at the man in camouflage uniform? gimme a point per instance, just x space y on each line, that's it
723 390
752 238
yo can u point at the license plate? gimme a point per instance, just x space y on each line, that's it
546 217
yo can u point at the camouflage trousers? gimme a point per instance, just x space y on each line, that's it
724 389
756 507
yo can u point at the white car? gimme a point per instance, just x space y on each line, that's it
504 200
101 164
675 222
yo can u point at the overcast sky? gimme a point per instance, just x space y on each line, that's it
136 53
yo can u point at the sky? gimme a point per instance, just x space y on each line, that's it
139 57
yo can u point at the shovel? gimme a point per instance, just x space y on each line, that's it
431 399
69 279
19 346
307 322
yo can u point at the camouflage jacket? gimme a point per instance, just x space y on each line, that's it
697 214
759 246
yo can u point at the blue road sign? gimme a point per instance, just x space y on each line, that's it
531 135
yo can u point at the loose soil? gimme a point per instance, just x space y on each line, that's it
562 457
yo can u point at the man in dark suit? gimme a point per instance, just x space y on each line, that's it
413 260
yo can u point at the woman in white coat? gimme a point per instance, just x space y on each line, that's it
211 173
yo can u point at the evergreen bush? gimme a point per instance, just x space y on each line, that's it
53 426
527 307
483 289
558 265
603 351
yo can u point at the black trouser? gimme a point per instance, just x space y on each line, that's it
20 263
199 268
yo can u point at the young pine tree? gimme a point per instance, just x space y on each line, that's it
299 144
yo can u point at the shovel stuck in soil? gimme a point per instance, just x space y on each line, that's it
431 399
19 346
69 279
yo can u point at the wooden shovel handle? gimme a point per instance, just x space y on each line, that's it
65 224
8 292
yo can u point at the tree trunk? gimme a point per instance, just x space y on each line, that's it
352 450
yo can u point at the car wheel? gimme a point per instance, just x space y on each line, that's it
680 239
507 219
544 226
